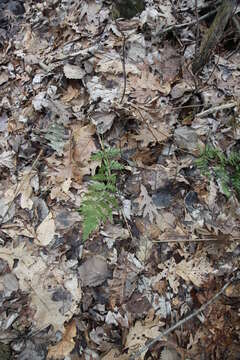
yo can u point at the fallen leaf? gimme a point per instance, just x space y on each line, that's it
196 270
66 345
71 93
73 72
151 135
140 333
84 143
146 204
46 230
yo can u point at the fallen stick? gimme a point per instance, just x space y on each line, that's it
181 322
214 34
190 23
216 108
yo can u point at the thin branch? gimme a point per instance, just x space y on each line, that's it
85 53
123 58
190 23
178 240
181 322
197 29
124 69
216 108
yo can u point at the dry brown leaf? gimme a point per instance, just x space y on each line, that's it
169 64
66 345
115 354
146 204
84 144
140 333
149 134
195 270
20 253
124 279
71 93
148 84
114 66
94 271
169 273
47 311
76 162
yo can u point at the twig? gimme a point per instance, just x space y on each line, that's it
192 240
18 188
197 29
181 322
124 69
123 62
190 23
86 53
214 34
216 108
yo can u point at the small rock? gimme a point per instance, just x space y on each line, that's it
186 138
94 271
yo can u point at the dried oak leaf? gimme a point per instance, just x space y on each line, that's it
140 333
66 345
196 270
124 279
146 205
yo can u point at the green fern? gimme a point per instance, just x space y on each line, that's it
100 200
226 169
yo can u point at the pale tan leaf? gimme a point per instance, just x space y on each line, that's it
114 66
73 72
66 345
140 333
47 311
196 270
46 230
84 143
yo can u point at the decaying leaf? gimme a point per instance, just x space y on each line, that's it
146 204
195 270
140 333
56 137
124 279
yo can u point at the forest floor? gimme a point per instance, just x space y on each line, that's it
80 76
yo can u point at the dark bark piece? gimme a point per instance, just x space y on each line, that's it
214 34
127 9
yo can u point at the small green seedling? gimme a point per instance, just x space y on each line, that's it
214 163
100 200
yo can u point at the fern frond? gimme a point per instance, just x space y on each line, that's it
100 200
225 169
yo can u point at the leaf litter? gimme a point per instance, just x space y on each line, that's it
74 75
